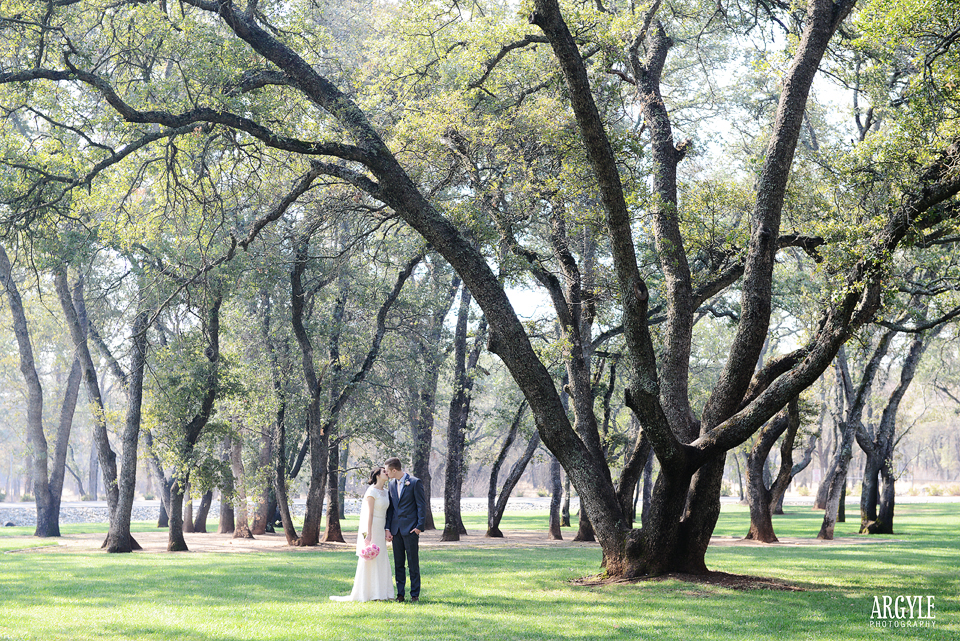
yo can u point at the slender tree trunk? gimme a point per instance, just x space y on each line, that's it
492 529
431 354
200 521
62 448
226 523
820 501
493 519
342 485
758 494
194 429
760 497
834 511
280 427
93 470
187 519
48 521
879 453
316 439
464 370
333 531
556 494
164 484
75 317
630 476
119 538
565 509
264 513
71 465
280 478
242 530
647 492
780 489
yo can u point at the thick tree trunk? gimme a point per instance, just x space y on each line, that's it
722 426
175 540
313 515
226 524
870 492
585 529
888 493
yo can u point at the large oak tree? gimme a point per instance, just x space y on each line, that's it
265 82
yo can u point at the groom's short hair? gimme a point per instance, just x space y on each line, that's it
393 463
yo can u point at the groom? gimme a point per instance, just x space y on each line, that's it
405 521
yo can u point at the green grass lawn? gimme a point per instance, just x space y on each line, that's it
490 593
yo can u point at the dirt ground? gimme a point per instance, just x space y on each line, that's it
155 542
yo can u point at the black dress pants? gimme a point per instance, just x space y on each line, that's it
406 548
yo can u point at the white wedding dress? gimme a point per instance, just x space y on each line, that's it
373 580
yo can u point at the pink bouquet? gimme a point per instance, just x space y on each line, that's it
370 552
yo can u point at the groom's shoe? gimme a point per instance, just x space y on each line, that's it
415 599
400 598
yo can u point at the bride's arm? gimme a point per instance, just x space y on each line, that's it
368 530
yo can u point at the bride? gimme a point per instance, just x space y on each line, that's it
372 581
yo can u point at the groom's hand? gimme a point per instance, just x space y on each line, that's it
388 535
415 531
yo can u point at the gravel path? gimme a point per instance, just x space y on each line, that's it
24 514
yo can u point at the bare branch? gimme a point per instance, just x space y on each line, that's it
492 62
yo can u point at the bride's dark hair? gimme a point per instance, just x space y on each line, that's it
372 479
